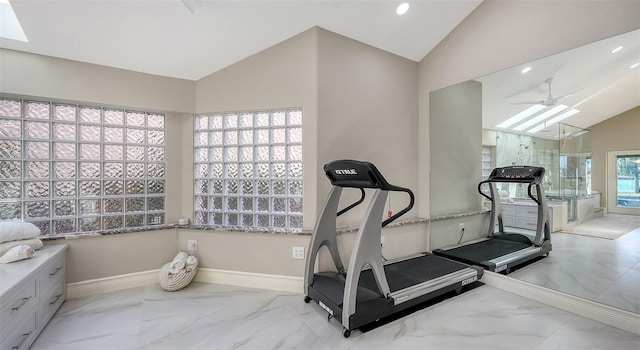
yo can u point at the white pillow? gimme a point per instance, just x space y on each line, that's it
17 230
34 243
17 253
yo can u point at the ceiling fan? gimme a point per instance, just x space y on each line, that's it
550 100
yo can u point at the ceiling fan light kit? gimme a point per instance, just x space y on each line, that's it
540 119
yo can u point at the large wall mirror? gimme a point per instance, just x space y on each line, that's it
540 113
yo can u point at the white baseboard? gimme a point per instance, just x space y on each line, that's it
251 280
144 278
111 284
611 316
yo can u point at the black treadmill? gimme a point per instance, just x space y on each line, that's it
371 288
501 251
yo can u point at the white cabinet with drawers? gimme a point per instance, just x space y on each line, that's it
30 293
524 215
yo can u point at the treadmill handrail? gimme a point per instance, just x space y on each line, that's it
531 195
403 211
353 205
480 189
361 175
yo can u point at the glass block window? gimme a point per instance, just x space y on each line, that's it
487 165
70 168
248 169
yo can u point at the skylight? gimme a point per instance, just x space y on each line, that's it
562 116
541 117
555 120
10 27
537 128
521 116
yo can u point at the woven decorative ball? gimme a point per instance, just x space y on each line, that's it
176 281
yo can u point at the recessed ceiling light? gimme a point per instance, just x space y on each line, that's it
402 8
525 70
10 27
634 65
617 49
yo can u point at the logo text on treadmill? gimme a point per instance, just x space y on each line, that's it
469 280
346 172
322 305
501 268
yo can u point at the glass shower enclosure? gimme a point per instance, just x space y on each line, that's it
564 151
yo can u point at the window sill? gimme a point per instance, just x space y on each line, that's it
398 223
247 230
111 232
340 230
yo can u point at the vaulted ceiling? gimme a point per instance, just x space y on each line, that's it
190 39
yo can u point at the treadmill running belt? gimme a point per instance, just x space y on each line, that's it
407 273
485 250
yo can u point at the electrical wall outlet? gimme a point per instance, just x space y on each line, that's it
460 227
382 241
192 245
298 252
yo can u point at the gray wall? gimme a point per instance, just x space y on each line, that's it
620 133
367 110
43 76
455 131
455 126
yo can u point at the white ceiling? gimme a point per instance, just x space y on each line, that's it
605 85
164 37
190 39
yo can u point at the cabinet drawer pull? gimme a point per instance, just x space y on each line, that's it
24 338
56 271
24 301
56 299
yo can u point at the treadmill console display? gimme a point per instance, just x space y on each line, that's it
518 173
357 174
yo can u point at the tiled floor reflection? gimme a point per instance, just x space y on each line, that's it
602 270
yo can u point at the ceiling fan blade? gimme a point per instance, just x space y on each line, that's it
567 95
528 103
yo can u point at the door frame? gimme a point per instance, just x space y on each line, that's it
612 190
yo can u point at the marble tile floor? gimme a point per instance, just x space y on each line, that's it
603 270
214 316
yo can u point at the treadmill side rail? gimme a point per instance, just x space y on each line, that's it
464 276
505 260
